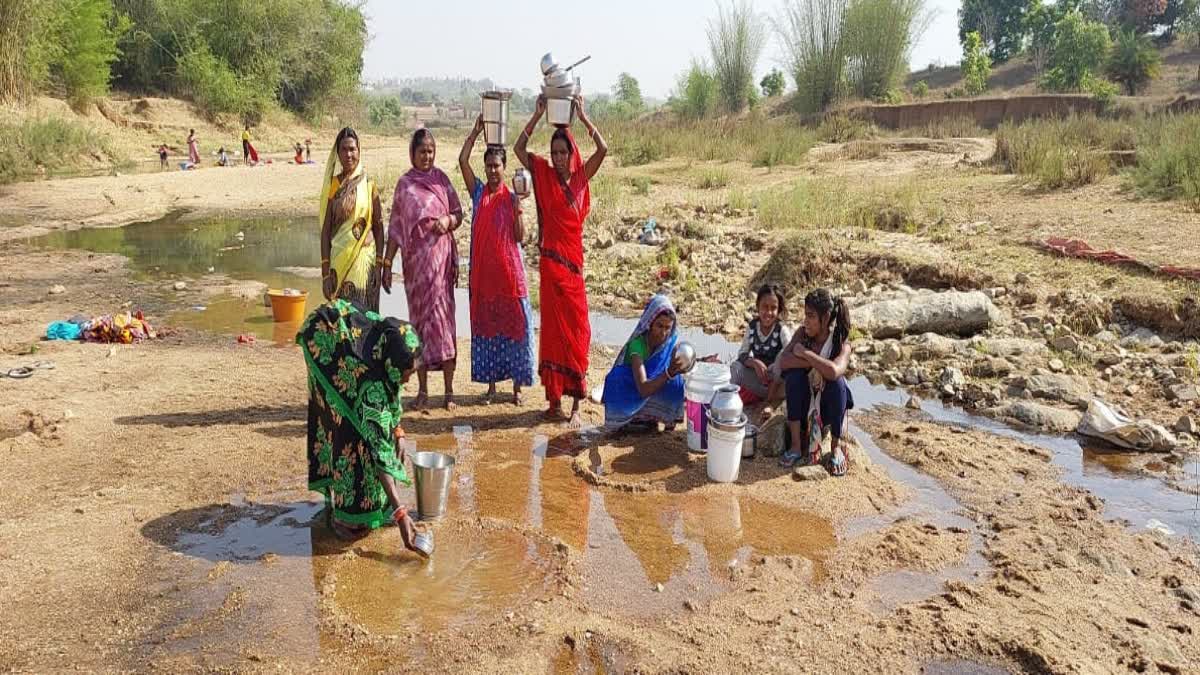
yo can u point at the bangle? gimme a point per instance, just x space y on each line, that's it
324 261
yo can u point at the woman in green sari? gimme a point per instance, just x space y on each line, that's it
357 362
351 228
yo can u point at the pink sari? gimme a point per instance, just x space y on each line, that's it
429 259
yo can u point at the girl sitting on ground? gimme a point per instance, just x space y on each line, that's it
645 385
756 369
814 368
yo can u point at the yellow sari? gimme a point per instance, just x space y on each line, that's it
352 247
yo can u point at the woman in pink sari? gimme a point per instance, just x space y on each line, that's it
425 214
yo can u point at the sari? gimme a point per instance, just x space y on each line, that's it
356 361
193 150
622 401
501 317
565 334
352 249
429 259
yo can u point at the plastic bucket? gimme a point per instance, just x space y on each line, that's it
432 472
702 383
725 450
287 308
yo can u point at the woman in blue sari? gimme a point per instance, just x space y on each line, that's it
645 386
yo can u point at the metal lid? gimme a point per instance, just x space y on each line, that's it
736 425
502 94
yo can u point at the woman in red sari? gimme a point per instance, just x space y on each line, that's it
563 202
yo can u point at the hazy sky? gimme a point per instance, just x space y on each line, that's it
504 39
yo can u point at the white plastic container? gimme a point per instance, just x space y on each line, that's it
702 383
725 450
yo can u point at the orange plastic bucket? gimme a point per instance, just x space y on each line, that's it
287 308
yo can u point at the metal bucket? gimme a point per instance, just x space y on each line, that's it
495 116
432 471
560 111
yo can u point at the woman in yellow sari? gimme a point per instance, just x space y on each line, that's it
352 234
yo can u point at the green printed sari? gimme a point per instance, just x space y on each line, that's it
356 360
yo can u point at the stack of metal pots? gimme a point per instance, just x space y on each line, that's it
560 92
726 410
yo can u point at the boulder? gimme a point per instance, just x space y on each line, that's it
807 473
932 345
952 377
1058 387
949 313
1187 425
1183 392
1042 416
891 354
1067 343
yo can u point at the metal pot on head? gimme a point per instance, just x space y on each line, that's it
494 109
726 405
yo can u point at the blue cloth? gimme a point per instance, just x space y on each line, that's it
622 401
496 359
64 330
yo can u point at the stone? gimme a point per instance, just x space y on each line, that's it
1105 336
1187 425
891 354
1042 416
1067 343
732 325
859 287
1059 387
180 286
952 377
57 289
1132 390
1057 366
949 312
1010 346
1033 321
1142 337
1110 359
807 473
932 345
913 403
1183 392
992 366
913 376
628 251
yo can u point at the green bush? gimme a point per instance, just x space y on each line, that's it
772 83
879 34
647 140
712 179
920 90
812 35
215 87
843 128
736 38
1062 153
1134 61
1168 158
976 66
696 94
53 143
639 184
1080 49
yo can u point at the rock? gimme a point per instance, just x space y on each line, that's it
1010 346
913 403
1105 336
992 366
1057 366
1142 337
859 287
1187 425
950 312
180 286
932 345
952 377
658 588
1110 359
807 473
1058 387
997 292
891 354
732 325
1132 390
57 289
1183 392
1067 343
1042 416
605 240
913 376
628 251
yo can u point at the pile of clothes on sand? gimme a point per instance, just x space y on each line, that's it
124 328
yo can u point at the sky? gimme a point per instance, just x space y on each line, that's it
654 40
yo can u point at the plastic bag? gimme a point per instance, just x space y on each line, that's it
1101 421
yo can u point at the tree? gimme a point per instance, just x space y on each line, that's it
1134 61
976 66
696 94
772 83
1079 52
736 38
628 92
879 36
87 46
1000 24
812 35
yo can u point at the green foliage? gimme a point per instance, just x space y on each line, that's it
976 66
1103 91
879 35
1080 49
696 94
24 58
628 92
736 38
959 126
1000 24
920 90
646 140
86 48
1134 61
897 207
1062 153
811 33
1168 158
214 86
385 111
772 83
712 179
52 143
639 184
843 129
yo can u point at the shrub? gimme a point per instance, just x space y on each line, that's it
87 46
1134 61
713 179
920 90
976 66
811 32
843 128
863 150
959 126
1103 91
1168 158
640 185
647 140
214 87
735 40
53 143
696 93
773 83
1080 49
879 36
1061 153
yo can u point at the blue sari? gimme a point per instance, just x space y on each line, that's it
622 402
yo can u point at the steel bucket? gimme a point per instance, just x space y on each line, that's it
560 111
432 472
495 116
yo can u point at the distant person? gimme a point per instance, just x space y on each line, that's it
193 144
501 316
222 157
308 151
352 233
299 153
645 385
246 145
162 156
425 214
814 372
563 202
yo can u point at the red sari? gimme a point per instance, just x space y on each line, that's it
566 333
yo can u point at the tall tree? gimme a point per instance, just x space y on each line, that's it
628 92
736 38
1000 24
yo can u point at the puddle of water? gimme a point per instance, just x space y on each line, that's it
473 576
960 667
282 530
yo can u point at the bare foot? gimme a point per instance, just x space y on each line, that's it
490 396
420 401
450 404
517 399
575 421
553 414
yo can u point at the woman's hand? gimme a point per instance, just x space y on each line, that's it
329 285
760 369
478 129
579 108
539 108
385 277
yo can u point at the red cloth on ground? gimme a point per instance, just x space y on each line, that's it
1077 248
566 333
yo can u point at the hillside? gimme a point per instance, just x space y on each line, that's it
1180 70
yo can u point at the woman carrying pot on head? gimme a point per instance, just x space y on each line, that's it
563 202
501 317
351 228
645 385
425 214
814 374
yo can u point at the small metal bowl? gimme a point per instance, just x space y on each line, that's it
685 354
423 542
